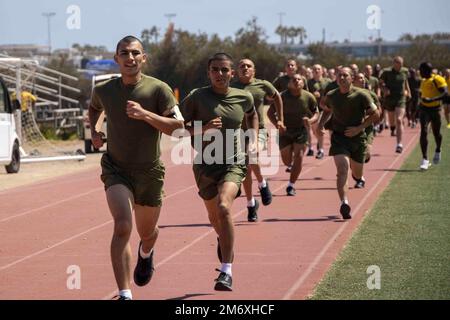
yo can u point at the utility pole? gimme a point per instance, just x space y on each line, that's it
170 16
281 14
49 15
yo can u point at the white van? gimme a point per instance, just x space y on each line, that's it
101 123
9 139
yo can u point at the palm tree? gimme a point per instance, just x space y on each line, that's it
145 36
301 33
292 33
406 37
283 33
154 32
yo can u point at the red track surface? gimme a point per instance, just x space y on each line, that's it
48 226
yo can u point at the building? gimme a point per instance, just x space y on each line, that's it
359 49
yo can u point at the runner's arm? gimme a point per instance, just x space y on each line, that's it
278 102
164 124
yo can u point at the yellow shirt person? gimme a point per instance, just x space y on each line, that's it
27 100
430 89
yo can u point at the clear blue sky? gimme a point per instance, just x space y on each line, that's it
104 22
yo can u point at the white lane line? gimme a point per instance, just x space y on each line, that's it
50 204
319 257
75 236
204 235
55 203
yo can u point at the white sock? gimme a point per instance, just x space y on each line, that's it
321 150
226 267
251 203
399 145
263 184
143 254
290 184
126 293
345 201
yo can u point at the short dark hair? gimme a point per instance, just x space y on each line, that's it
128 39
426 66
220 56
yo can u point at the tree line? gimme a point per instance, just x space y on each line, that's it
179 57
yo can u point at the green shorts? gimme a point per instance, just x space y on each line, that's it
354 147
369 134
390 104
210 177
146 184
293 135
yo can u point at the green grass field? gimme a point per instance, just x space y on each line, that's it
406 234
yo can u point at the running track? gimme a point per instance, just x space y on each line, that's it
48 226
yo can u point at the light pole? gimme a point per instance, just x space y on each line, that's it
170 16
281 14
49 15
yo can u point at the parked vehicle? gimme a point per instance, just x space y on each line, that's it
9 139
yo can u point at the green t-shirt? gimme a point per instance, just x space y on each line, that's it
259 89
281 83
374 97
374 83
130 141
330 86
376 101
203 105
349 109
395 82
297 107
319 86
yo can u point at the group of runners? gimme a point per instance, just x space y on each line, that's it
302 102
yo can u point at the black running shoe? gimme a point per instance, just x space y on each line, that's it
266 195
399 149
345 211
223 282
310 153
320 155
360 184
290 191
253 212
118 297
144 268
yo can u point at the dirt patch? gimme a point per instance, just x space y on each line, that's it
34 172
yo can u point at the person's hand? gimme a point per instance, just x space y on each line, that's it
352 131
317 94
407 94
387 92
135 111
281 127
427 100
97 139
306 122
215 123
